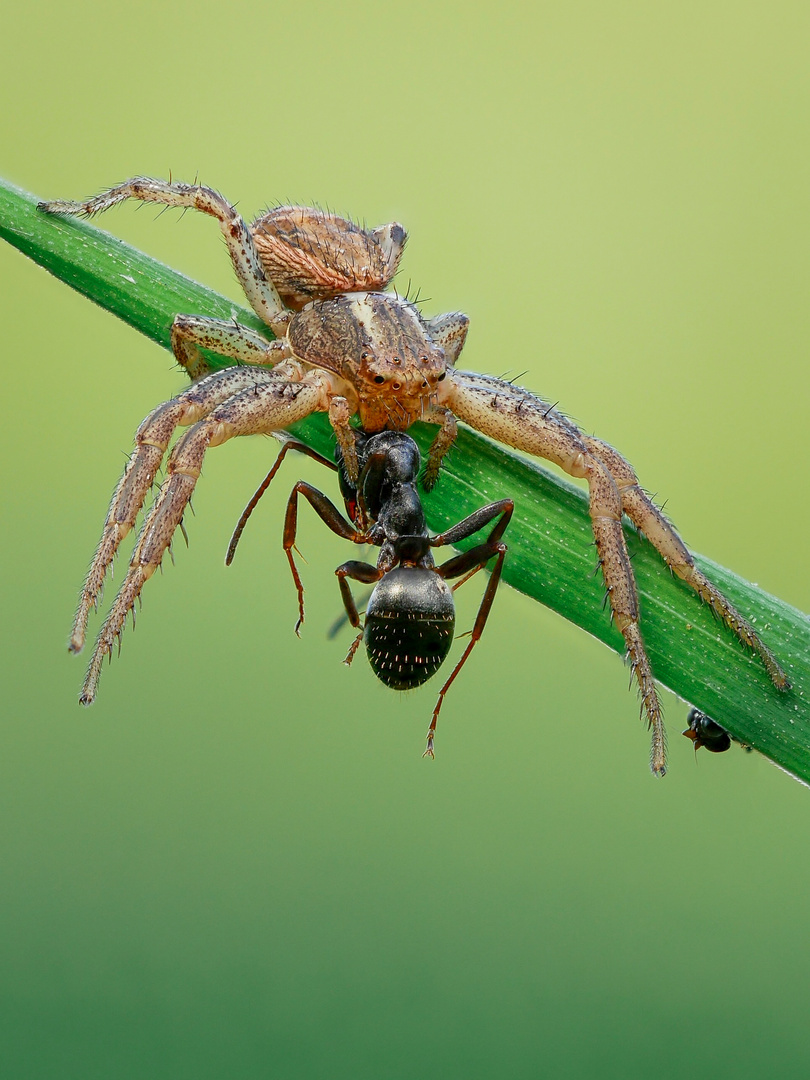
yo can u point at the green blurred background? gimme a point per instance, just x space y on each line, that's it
237 863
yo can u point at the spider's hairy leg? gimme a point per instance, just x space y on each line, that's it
605 508
516 417
450 332
190 333
265 407
443 442
259 290
646 516
340 414
151 442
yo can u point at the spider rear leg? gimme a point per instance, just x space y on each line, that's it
258 288
646 516
263 408
151 442
190 333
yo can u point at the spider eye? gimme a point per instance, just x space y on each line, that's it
441 376
395 360
379 378
424 359
364 356
396 386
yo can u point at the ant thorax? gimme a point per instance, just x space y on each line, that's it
389 465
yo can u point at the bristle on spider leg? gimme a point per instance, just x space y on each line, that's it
650 702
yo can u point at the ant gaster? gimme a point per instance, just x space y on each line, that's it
410 615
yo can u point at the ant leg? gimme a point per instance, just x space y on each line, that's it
368 575
190 333
357 571
289 444
646 516
329 515
478 628
258 288
151 441
464 566
473 524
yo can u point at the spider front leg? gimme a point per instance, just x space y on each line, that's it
190 333
258 288
516 417
449 331
268 405
649 520
442 443
151 442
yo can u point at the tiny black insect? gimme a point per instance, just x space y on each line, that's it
703 731
410 615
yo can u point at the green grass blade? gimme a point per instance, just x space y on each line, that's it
551 556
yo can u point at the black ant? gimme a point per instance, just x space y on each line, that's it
410 614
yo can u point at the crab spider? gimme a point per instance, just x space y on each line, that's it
344 346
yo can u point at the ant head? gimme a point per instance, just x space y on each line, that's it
410 619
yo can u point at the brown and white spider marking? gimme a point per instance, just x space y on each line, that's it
344 346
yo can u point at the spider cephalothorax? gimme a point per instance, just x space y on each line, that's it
383 349
344 346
